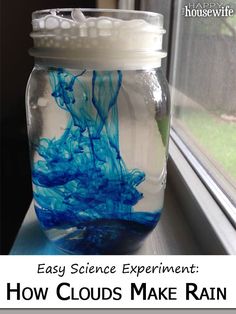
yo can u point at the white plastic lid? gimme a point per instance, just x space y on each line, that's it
98 39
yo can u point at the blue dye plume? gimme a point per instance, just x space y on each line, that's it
81 176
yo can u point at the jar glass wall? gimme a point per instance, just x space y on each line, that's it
98 141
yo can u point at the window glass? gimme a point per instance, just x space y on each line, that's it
203 80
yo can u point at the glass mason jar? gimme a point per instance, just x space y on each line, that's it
98 117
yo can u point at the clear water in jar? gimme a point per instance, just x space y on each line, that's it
99 156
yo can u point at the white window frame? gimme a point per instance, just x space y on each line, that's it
212 228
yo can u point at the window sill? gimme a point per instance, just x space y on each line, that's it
212 229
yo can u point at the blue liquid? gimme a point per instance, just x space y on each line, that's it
81 183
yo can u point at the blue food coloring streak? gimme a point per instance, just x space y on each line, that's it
81 181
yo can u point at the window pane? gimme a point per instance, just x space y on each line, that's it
203 80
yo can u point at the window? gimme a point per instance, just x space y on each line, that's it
203 81
202 74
